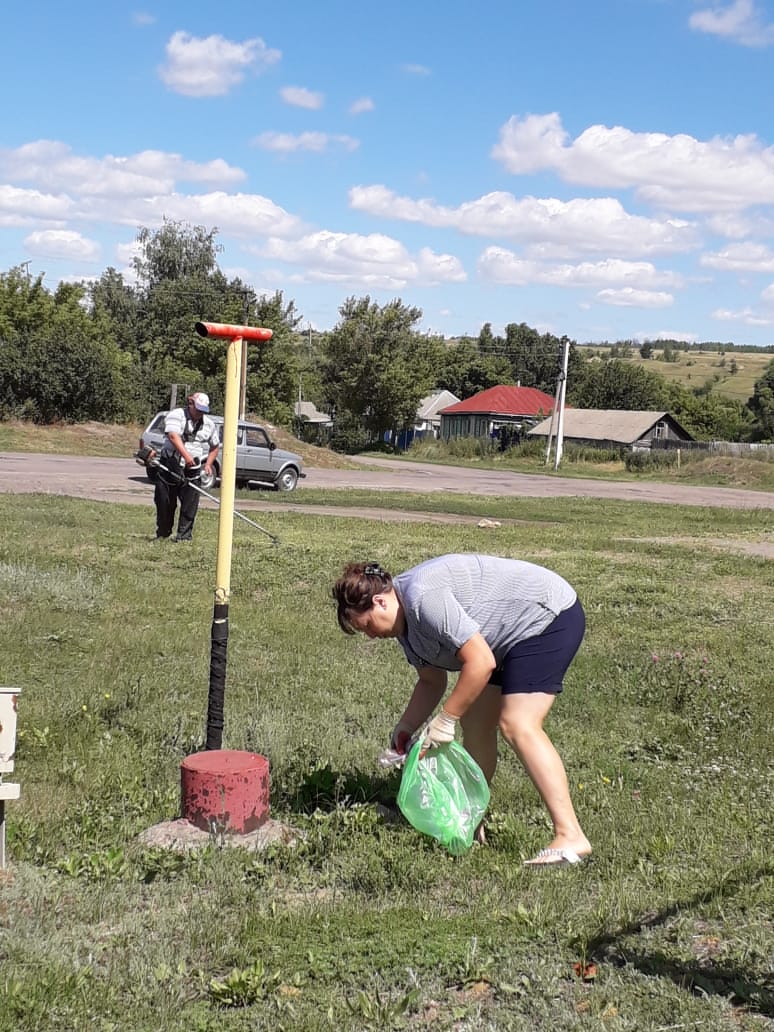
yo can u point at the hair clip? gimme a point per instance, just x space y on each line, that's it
373 570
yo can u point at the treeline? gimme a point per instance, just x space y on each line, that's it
712 347
110 350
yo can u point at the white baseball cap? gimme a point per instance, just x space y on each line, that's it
201 401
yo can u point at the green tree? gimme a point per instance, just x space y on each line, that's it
616 384
57 365
488 344
378 367
761 405
708 416
273 366
176 252
536 359
115 304
179 284
464 371
25 304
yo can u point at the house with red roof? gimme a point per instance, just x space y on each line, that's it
486 412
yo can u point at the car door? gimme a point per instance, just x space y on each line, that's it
254 454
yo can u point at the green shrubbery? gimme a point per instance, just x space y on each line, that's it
648 461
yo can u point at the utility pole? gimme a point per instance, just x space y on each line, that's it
243 359
561 396
301 373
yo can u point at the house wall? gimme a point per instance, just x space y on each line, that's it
476 424
660 434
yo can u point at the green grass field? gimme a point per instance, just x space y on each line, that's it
664 726
732 374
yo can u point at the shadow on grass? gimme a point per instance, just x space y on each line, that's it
327 789
700 978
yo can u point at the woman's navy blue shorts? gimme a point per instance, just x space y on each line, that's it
539 664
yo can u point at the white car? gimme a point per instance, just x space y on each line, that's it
259 462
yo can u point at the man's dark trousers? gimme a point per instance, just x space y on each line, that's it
167 494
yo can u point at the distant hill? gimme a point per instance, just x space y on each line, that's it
731 373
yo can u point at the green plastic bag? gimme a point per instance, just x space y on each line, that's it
444 794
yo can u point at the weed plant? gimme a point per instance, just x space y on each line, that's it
664 725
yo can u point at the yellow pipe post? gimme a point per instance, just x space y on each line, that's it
219 641
228 472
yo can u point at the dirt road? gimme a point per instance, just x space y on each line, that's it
122 480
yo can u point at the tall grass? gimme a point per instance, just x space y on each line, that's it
664 726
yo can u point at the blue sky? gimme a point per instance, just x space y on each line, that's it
603 170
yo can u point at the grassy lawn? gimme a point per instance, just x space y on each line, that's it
364 924
731 375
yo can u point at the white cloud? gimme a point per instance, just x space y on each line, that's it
502 266
126 252
298 96
689 338
287 143
49 163
142 18
673 172
375 260
361 105
61 243
18 206
211 66
238 214
551 227
747 316
416 69
628 297
736 225
745 257
140 189
741 22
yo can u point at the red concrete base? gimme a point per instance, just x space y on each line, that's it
226 790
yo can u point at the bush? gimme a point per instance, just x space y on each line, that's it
348 436
648 461
588 453
456 448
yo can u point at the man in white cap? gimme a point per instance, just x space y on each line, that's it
189 433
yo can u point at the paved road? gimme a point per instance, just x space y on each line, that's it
124 481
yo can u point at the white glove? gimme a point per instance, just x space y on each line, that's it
439 731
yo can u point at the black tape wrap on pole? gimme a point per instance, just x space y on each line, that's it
218 651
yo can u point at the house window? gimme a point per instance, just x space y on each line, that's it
660 430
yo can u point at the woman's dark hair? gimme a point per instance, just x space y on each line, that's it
354 591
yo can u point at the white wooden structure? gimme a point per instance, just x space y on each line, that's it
8 790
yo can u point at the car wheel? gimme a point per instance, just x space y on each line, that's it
209 480
287 479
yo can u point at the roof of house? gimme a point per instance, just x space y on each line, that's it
433 403
504 401
625 427
306 410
